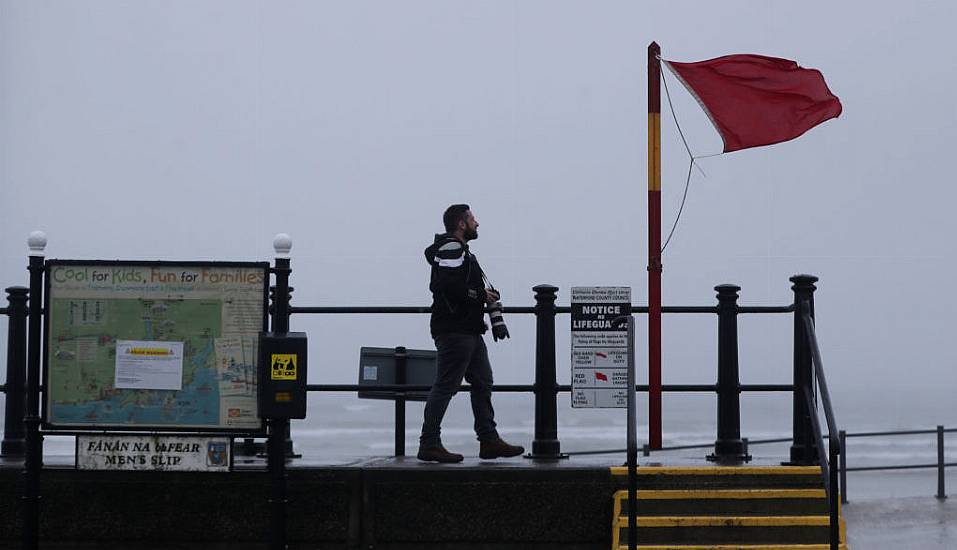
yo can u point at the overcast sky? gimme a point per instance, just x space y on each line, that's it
198 130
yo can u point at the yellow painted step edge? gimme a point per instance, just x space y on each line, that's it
719 470
621 522
728 521
619 518
742 494
739 547
681 494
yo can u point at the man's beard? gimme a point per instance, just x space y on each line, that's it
471 234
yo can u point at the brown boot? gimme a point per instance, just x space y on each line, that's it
497 448
437 453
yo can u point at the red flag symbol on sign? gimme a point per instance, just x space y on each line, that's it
601 376
755 100
602 355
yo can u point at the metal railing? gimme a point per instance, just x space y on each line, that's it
13 443
941 465
546 445
546 386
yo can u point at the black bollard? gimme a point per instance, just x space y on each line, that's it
803 447
13 443
545 446
728 447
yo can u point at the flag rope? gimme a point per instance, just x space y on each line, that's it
680 208
691 166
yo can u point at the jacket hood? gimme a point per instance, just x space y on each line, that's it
440 239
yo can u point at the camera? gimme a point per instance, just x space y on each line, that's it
499 330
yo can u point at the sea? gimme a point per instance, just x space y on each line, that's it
341 428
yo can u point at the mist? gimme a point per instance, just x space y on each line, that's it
199 130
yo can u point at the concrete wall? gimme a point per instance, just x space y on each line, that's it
341 507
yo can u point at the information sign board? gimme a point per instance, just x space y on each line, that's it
153 345
599 350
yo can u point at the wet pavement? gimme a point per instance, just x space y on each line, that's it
924 523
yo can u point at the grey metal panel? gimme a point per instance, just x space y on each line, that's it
377 366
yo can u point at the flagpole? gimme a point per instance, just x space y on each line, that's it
654 246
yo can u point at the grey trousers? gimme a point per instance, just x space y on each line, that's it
460 355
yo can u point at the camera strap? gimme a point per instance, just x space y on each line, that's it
486 281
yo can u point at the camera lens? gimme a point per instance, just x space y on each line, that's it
499 330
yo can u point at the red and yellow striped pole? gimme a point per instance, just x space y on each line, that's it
654 246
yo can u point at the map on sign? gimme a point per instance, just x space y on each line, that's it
153 345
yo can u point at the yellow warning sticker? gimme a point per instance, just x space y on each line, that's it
283 366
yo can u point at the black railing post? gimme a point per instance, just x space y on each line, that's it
400 363
728 447
803 447
276 457
13 441
941 494
33 461
280 296
278 443
842 435
546 444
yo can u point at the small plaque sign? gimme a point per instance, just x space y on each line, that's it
155 452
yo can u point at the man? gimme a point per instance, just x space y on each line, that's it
459 296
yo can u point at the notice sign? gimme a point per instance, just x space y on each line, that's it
153 453
142 365
599 350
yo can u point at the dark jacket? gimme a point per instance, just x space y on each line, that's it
458 292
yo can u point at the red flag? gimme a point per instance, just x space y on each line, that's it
755 100
601 376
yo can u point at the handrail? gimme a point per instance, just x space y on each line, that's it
829 468
819 438
900 432
349 310
561 388
819 368
901 467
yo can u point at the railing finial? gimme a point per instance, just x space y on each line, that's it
282 244
37 241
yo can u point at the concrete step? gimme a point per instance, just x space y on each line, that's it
726 530
725 502
722 477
